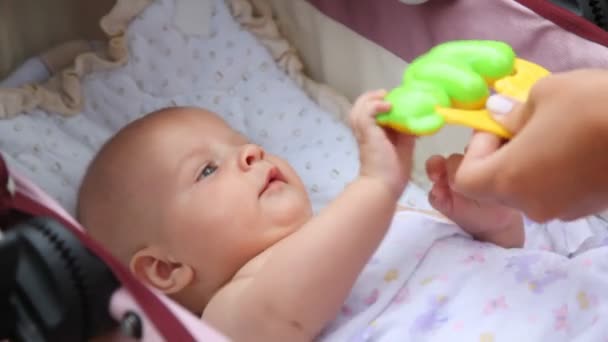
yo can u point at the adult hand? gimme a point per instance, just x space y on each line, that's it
556 165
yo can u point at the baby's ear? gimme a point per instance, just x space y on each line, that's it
155 268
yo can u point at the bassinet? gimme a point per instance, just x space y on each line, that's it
378 36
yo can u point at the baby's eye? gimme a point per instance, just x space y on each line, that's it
206 171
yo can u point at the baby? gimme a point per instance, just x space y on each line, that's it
227 230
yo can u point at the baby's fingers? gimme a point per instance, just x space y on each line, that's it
378 107
435 168
378 94
364 114
368 97
451 165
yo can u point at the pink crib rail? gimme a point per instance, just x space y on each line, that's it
538 30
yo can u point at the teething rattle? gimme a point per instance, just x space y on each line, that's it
450 84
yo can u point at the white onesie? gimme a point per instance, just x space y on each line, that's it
429 281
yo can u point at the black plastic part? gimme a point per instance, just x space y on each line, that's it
131 325
53 288
596 11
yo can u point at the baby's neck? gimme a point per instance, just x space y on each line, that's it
248 271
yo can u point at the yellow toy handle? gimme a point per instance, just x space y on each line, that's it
516 86
480 120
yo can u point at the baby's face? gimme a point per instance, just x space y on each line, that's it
224 200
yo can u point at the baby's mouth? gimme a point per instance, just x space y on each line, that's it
274 176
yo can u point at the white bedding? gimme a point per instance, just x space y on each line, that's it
428 281
225 69
368 66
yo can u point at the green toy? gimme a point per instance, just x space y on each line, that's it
450 84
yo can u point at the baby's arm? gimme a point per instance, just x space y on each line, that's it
306 277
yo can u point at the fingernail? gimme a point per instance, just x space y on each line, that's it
498 104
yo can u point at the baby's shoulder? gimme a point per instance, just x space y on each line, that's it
231 294
223 300
227 310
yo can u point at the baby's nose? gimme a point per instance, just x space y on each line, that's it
250 154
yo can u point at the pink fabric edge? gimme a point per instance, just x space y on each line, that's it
122 302
567 20
409 31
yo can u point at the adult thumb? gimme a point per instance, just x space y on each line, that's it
511 114
487 153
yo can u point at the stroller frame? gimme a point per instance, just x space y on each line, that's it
39 240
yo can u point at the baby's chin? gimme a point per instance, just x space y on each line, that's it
290 210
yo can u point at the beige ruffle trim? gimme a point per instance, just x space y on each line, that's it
63 92
256 16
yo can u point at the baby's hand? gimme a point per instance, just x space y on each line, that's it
484 220
385 154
